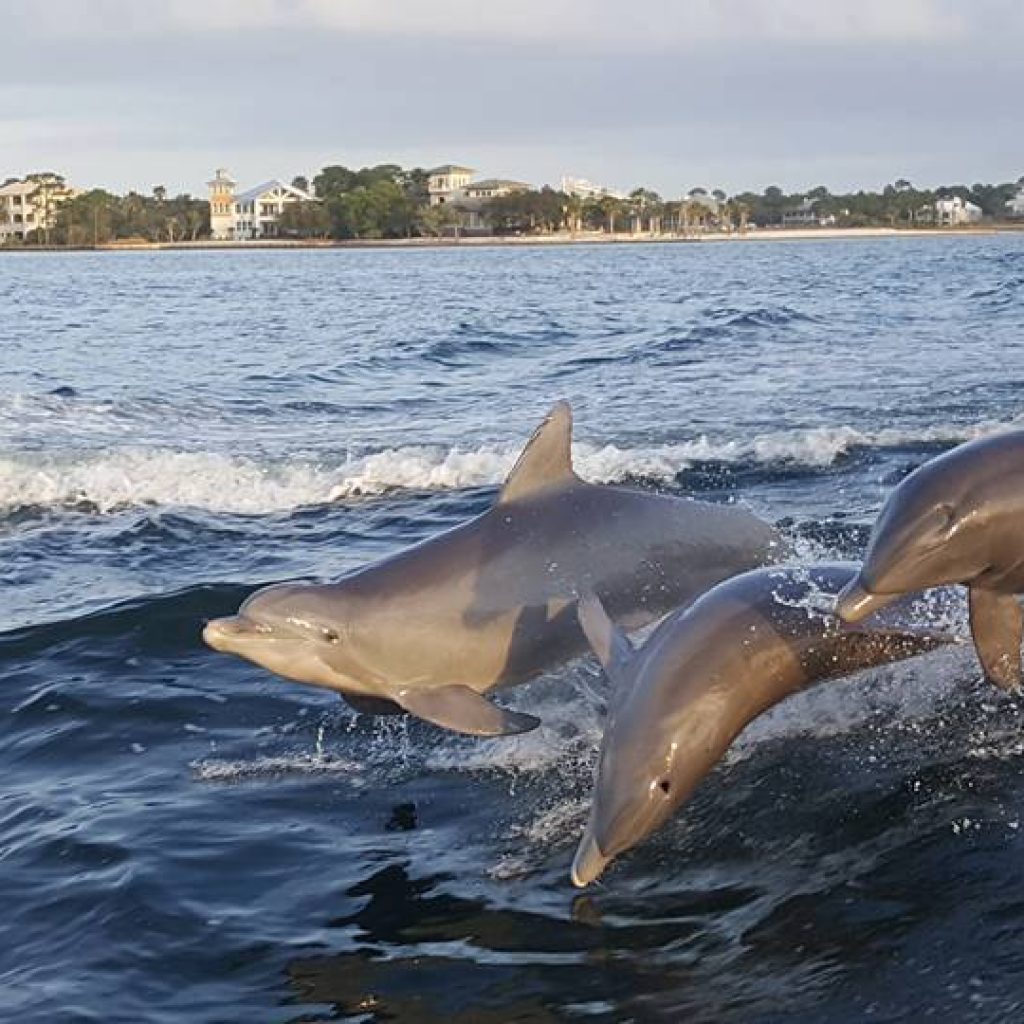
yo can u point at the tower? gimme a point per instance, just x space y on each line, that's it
222 205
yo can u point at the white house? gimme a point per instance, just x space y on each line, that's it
583 189
453 185
446 181
955 211
1015 206
250 214
31 205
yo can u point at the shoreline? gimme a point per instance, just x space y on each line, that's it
514 241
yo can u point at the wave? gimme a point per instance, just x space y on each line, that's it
159 622
105 482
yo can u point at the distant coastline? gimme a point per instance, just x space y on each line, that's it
546 240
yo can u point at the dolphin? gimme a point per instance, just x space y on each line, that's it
491 603
703 675
959 518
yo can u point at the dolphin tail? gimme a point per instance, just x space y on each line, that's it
996 625
609 643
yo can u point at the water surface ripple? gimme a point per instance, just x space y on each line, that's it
184 838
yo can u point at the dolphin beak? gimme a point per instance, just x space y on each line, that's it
855 602
219 633
589 862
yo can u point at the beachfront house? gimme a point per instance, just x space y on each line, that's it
583 189
28 206
446 182
807 215
452 185
473 199
253 214
1015 206
955 212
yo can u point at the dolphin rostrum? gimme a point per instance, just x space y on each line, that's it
957 519
491 603
703 675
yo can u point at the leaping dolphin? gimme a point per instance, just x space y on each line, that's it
492 602
703 675
957 519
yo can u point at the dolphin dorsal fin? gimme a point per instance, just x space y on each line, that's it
547 458
609 643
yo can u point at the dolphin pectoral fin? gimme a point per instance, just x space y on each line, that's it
856 602
609 643
546 459
463 710
996 625
372 705
589 862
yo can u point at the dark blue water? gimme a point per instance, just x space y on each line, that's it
185 838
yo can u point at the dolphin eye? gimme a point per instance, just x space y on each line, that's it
330 635
665 786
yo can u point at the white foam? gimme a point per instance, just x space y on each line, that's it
160 477
275 767
230 483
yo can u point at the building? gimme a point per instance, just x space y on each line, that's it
583 189
446 181
30 205
251 214
1015 206
956 211
453 185
806 215
471 201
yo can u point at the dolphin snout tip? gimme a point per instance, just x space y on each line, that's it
217 631
588 864
856 602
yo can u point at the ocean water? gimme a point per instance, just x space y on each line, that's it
185 838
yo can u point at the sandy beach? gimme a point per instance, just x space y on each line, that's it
504 241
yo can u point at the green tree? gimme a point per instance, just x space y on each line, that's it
304 220
436 221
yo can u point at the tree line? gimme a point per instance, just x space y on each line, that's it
389 201
97 216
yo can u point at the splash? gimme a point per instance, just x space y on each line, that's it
127 477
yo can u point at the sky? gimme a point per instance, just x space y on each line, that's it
668 94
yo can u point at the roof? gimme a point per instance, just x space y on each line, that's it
252 194
450 169
491 183
19 188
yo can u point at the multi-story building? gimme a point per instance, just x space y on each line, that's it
30 205
453 186
1015 206
446 181
955 211
583 189
251 214
472 200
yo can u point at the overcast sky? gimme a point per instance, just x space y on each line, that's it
665 93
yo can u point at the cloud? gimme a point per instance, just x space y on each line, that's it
609 24
669 93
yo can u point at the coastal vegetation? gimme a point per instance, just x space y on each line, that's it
387 201
97 217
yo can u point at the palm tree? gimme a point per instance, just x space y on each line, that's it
610 208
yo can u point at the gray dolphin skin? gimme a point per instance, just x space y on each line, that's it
491 603
957 519
703 675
